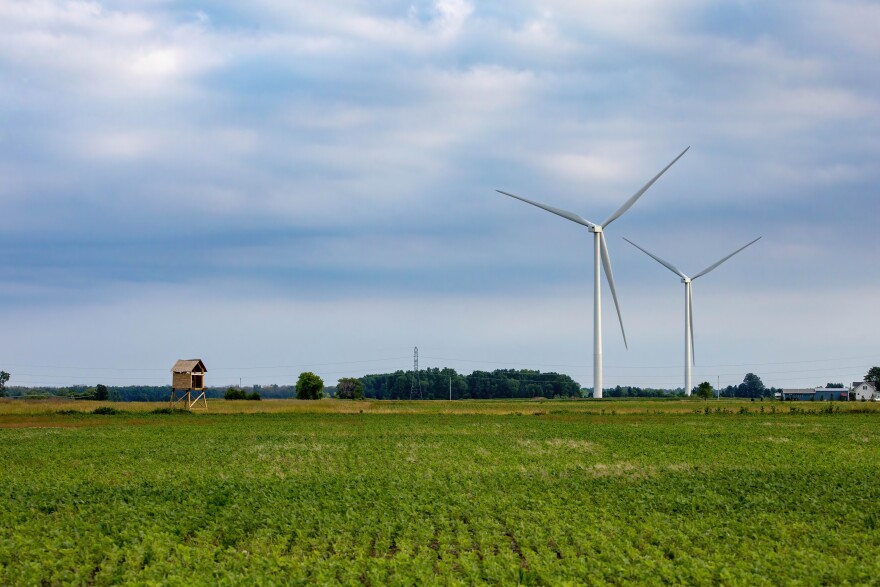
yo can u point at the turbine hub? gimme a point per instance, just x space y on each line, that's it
685 279
595 228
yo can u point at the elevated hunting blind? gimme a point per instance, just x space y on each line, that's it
187 376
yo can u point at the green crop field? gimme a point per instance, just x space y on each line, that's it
494 492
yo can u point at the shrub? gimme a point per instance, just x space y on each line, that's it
106 411
170 411
234 393
254 396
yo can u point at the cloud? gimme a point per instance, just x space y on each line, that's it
351 152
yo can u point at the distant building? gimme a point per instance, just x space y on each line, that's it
865 390
832 394
798 395
816 394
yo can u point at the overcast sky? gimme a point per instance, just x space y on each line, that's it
279 185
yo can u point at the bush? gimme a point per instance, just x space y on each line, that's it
234 393
254 396
106 411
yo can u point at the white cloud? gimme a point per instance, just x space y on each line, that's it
156 63
385 128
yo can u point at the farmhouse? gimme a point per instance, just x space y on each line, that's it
865 390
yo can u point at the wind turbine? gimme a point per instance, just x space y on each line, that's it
600 249
688 305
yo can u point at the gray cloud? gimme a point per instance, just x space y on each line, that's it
349 151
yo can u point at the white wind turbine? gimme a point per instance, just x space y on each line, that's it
688 305
600 248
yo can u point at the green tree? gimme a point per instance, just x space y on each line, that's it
309 386
101 393
752 386
350 388
873 376
704 390
4 377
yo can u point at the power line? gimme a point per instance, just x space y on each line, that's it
875 355
213 369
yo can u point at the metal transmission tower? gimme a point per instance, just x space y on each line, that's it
415 389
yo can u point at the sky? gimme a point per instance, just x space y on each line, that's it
278 186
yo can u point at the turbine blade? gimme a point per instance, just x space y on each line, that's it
606 265
691 323
632 200
714 265
565 214
666 264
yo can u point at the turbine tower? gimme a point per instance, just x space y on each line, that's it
688 306
600 249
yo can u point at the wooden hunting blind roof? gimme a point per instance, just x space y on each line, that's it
189 366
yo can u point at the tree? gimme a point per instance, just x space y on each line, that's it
704 390
752 386
350 388
309 386
4 377
101 393
873 376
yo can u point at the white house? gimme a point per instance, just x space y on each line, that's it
865 390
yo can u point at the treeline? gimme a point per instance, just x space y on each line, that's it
629 391
437 383
143 393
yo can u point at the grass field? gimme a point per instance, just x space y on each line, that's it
412 493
